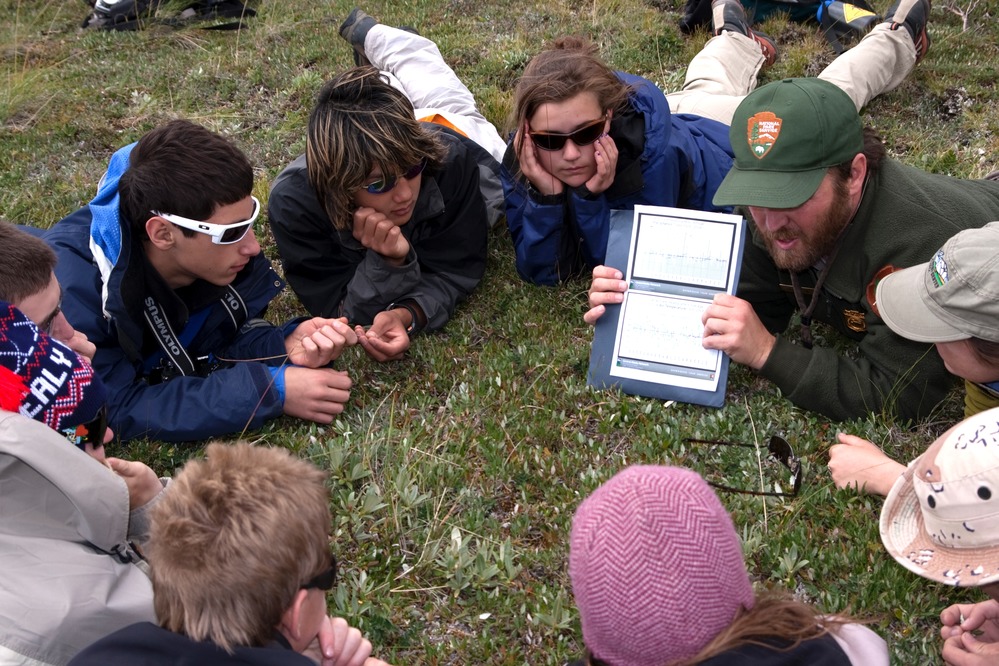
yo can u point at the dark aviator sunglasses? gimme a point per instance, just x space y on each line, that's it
583 136
323 580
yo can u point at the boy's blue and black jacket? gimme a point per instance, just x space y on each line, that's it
106 279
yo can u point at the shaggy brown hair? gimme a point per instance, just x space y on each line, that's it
232 541
568 67
361 122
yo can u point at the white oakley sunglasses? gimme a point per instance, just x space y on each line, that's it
222 234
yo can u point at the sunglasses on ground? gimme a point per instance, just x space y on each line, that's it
89 433
583 136
324 580
222 234
780 451
386 183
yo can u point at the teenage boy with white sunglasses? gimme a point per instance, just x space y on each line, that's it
163 273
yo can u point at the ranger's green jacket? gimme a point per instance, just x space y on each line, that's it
904 217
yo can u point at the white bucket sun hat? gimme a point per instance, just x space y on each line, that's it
941 518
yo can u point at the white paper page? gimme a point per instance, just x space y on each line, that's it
679 260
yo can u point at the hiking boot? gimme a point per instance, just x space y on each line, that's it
354 29
729 15
913 14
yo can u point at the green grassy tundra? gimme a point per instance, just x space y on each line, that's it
455 472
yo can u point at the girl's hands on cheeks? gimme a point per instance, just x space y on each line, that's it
605 154
386 339
540 178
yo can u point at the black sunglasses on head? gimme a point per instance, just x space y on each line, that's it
780 451
583 136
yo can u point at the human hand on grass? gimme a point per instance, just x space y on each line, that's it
981 617
316 342
142 483
386 339
315 394
859 464
961 623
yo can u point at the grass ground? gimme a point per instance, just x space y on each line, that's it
455 472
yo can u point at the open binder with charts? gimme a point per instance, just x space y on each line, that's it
674 261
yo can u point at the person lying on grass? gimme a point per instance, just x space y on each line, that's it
939 521
658 575
241 563
385 218
951 302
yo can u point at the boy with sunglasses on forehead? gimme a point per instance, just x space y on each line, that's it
385 219
227 595
163 272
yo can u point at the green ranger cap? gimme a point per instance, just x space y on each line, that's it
785 136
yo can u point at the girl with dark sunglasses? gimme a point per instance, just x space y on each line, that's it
588 140
562 175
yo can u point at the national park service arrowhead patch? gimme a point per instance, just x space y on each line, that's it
872 286
762 132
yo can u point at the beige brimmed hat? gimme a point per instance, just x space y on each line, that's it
953 297
941 518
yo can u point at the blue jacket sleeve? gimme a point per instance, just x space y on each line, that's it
705 156
592 217
227 401
538 229
260 340
535 229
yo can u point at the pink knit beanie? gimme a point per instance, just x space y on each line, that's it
656 567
